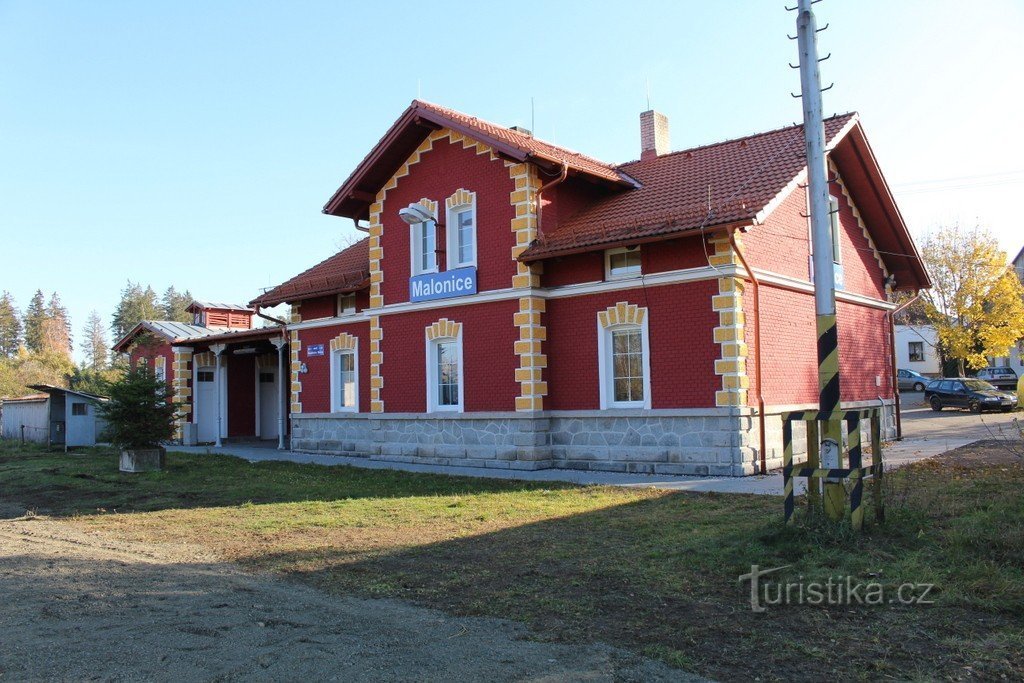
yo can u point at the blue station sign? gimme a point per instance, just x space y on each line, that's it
450 283
315 350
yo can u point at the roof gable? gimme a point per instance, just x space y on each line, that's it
353 198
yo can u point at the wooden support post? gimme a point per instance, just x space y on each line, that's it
876 466
813 483
857 494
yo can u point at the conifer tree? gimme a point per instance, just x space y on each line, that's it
10 326
35 316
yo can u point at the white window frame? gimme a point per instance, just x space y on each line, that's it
336 406
415 241
452 235
345 310
621 250
431 349
606 372
835 229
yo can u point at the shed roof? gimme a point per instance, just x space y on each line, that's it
50 390
169 330
196 304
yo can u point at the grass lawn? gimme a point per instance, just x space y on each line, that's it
643 569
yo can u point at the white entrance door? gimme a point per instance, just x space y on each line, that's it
206 404
270 403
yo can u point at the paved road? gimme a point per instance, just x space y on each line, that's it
926 434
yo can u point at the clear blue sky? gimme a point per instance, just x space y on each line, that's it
194 143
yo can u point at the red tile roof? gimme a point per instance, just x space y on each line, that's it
715 184
529 144
346 271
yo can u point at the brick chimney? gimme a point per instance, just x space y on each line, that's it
653 134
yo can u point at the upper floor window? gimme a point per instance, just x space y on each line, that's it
621 263
837 230
346 304
423 238
461 229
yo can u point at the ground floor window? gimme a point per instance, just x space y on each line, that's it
624 358
444 375
344 381
916 351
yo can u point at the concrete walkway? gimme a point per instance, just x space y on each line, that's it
927 434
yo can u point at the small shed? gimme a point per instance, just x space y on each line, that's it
25 418
56 416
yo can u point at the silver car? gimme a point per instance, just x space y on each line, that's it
1002 377
911 381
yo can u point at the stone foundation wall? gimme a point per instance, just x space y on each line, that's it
712 442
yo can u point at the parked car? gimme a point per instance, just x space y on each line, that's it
967 392
1004 377
911 381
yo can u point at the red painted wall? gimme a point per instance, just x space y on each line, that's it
782 245
659 257
241 394
489 363
439 173
316 383
789 338
682 344
318 307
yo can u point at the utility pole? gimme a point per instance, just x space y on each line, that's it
821 241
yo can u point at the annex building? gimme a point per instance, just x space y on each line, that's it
517 304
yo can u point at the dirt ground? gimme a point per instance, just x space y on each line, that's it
985 453
80 605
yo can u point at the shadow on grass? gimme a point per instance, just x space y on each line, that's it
88 481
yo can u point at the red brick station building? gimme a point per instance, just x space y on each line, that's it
516 304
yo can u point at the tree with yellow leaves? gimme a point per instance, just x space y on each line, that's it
976 301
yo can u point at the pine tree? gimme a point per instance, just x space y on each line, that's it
174 305
35 316
94 343
57 327
137 304
10 326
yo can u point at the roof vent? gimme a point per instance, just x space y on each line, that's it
522 131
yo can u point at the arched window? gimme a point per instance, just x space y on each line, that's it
445 381
460 226
624 357
344 374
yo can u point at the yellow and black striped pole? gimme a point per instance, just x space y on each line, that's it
828 397
822 245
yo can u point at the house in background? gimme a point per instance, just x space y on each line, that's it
56 416
518 304
917 350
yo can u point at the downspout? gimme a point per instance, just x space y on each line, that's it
892 349
757 349
271 318
561 176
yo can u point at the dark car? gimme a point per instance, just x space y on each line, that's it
967 392
1003 377
911 381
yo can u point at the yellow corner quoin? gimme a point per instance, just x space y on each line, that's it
296 365
730 334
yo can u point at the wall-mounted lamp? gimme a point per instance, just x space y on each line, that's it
415 213
303 369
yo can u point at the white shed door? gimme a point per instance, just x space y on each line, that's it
206 404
